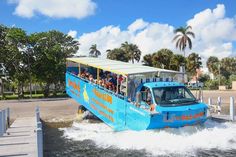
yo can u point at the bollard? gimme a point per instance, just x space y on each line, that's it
39 142
36 109
232 108
201 99
8 117
219 105
37 115
1 124
4 121
209 101
39 125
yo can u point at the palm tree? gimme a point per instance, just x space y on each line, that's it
193 63
132 50
177 60
147 59
162 58
117 54
182 38
94 52
213 65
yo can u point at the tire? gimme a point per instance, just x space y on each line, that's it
81 109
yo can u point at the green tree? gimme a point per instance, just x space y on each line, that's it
132 50
193 63
204 78
176 61
3 54
228 66
147 60
231 79
162 58
117 54
94 52
15 62
213 65
182 38
50 52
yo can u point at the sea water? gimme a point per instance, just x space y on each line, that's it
97 139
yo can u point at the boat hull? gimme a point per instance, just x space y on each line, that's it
120 114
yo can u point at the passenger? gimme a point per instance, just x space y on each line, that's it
91 78
110 88
109 78
87 75
149 100
82 75
100 82
114 79
108 84
150 104
104 83
114 88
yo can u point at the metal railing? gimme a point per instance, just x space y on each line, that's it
4 121
39 131
216 108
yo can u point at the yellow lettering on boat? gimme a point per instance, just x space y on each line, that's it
103 96
74 85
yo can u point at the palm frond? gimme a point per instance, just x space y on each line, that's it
188 27
177 36
177 43
181 30
189 42
190 33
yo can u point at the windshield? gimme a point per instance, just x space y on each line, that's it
173 96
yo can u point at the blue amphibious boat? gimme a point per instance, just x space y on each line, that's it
146 98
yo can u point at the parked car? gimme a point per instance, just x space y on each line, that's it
195 84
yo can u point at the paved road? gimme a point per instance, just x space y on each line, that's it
62 109
53 109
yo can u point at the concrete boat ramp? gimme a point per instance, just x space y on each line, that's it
23 138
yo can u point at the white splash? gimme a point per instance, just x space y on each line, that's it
158 142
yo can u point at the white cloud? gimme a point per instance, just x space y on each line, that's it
72 33
137 25
214 32
149 39
54 8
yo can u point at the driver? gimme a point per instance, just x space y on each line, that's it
149 100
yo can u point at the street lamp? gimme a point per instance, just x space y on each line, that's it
219 72
2 74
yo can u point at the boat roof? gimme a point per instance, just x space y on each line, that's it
119 67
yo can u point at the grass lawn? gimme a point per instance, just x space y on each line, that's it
34 96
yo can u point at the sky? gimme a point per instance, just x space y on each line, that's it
146 23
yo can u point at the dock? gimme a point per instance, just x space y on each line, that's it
216 114
23 138
222 118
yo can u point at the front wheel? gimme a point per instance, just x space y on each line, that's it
81 109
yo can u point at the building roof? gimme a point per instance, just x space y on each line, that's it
118 67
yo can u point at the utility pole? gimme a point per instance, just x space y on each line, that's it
30 78
219 73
